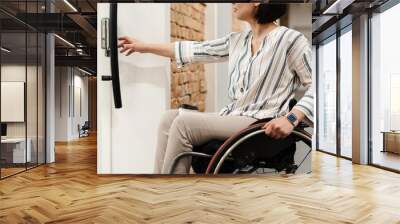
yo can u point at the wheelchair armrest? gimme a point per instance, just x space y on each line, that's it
188 107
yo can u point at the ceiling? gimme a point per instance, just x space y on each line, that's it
75 22
332 15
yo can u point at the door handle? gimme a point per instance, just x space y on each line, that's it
106 78
109 42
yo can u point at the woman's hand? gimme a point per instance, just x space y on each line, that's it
130 45
278 128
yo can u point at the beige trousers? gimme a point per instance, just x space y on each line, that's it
180 130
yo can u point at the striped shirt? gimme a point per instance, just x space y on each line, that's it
261 85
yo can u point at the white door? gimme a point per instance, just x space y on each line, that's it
127 136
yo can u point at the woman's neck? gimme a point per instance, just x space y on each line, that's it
260 30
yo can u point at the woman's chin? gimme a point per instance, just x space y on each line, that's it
238 17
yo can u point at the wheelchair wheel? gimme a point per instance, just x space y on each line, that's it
249 161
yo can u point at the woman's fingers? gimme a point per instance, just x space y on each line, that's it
130 51
273 130
124 48
123 38
267 129
121 44
273 133
278 133
128 48
265 125
278 128
124 42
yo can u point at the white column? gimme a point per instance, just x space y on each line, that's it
360 90
50 98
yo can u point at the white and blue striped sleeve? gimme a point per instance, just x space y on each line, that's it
301 60
202 51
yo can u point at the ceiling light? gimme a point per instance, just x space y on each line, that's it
337 7
84 71
5 50
70 5
65 41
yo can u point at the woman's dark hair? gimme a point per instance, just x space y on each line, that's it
268 13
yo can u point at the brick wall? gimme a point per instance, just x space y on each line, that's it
188 84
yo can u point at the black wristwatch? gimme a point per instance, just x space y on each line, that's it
292 118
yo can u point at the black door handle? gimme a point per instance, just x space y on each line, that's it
113 34
106 78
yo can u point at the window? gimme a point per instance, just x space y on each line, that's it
346 93
385 89
327 96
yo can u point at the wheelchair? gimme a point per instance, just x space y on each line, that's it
84 129
248 151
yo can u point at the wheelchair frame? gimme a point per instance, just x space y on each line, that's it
253 130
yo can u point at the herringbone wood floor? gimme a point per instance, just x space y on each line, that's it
69 191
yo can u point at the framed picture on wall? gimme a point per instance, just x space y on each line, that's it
12 101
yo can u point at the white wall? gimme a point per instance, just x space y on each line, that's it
210 69
79 117
218 24
67 115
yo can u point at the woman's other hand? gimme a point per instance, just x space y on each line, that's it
130 45
278 128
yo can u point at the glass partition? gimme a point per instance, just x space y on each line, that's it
31 100
14 153
22 88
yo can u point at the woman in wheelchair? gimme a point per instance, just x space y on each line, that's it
267 63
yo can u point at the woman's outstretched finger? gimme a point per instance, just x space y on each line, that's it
123 38
130 51
124 49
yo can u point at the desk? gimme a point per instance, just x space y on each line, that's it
391 141
13 150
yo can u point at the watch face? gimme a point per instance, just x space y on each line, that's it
292 117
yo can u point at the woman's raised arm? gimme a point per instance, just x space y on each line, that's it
129 45
184 52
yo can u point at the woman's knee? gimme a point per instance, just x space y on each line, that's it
185 124
167 118
179 122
